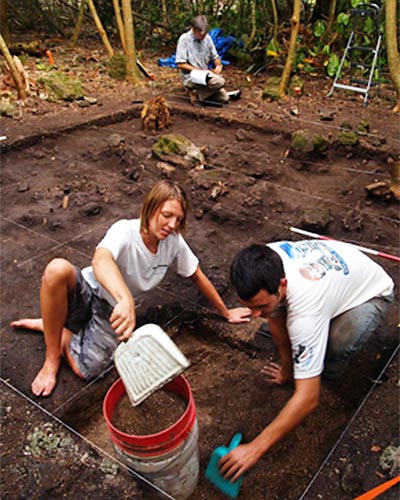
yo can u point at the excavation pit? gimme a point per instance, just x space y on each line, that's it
60 192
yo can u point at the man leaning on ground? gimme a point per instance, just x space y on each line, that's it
195 51
323 300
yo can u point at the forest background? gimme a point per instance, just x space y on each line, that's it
282 37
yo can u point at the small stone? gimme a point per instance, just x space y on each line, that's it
115 140
91 208
353 221
243 135
199 213
83 104
108 466
215 192
166 169
316 219
389 461
252 105
351 481
22 187
326 116
346 126
90 100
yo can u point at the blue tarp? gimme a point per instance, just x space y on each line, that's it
221 42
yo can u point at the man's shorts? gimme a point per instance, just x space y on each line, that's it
94 341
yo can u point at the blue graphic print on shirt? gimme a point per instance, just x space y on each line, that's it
315 258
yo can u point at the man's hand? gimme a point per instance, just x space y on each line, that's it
218 69
239 315
238 461
276 374
123 319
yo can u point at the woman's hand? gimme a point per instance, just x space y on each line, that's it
239 315
123 319
276 374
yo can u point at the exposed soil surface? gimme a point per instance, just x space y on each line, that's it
156 413
63 183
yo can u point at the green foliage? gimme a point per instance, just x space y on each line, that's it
343 25
326 50
317 52
333 65
272 48
319 28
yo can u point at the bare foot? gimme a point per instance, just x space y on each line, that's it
46 379
29 324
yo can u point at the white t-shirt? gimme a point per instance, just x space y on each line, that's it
325 279
141 269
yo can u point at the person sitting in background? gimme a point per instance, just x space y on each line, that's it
85 313
195 51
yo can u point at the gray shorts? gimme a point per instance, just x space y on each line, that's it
94 342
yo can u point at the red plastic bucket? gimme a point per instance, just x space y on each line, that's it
169 458
151 444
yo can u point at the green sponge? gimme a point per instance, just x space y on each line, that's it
213 474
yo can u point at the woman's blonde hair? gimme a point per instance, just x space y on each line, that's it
161 192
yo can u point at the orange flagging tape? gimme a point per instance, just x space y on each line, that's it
50 57
379 489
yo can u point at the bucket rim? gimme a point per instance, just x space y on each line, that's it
161 441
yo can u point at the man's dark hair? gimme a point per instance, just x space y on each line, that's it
256 268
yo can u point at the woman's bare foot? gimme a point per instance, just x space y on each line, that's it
46 379
29 324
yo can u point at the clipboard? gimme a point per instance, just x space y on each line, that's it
199 76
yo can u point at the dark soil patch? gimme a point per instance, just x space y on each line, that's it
156 413
62 186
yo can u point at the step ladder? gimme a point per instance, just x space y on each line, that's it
361 57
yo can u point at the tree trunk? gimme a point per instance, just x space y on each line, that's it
331 19
78 25
100 28
132 71
14 71
164 11
392 49
294 21
120 24
275 14
4 22
253 7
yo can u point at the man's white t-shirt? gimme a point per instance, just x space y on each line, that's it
141 269
325 279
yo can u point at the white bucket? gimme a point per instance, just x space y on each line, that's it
169 459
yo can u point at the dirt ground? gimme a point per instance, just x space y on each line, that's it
63 184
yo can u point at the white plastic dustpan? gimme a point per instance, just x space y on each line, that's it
147 361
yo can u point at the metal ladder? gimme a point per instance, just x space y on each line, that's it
354 52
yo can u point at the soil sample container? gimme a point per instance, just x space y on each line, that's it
168 458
